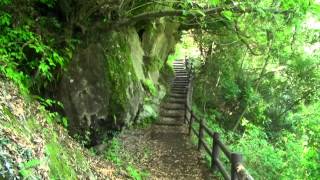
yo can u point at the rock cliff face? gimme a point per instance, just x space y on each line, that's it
103 88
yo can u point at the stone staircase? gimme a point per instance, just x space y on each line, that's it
173 156
173 106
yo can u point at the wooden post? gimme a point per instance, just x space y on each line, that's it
186 62
236 159
215 150
201 133
190 122
186 113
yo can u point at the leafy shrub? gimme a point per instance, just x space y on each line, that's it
24 57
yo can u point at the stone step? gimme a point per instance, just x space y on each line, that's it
175 116
181 81
172 108
178 92
168 105
175 100
170 120
168 124
182 78
179 88
182 68
181 75
178 76
180 84
171 111
177 96
181 71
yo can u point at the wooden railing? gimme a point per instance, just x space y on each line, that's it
238 172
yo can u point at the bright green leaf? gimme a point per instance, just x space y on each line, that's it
228 15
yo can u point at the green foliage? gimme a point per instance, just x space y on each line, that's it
26 168
214 2
24 57
262 69
150 87
230 88
30 53
112 153
53 117
171 59
228 15
136 174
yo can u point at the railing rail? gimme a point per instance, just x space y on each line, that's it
238 172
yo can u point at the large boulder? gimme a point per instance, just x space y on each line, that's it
103 90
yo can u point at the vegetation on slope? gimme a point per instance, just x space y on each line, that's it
258 76
33 146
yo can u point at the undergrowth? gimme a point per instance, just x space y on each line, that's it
63 158
114 153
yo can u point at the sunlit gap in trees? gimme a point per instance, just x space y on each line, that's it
312 23
187 47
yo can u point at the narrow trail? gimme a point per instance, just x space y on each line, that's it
172 154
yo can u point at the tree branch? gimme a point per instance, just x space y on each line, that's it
184 13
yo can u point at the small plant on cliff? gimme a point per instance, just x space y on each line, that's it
150 87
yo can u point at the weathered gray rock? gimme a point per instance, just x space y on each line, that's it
100 95
84 90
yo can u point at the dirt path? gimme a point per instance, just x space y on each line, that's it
170 154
